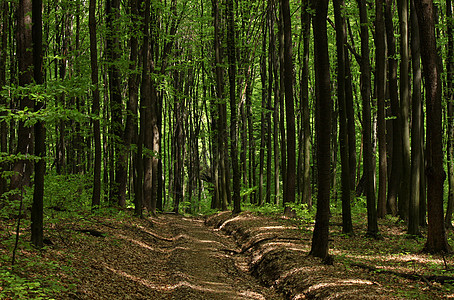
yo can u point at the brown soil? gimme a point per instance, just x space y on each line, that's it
231 257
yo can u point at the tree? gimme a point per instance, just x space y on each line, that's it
404 193
3 101
416 126
305 151
23 167
289 184
40 132
96 198
395 153
323 130
368 158
450 111
436 233
347 226
233 117
380 43
116 102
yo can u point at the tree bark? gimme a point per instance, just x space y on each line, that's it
394 178
347 226
450 108
380 42
436 233
40 131
289 184
117 184
368 158
96 197
3 101
231 54
404 193
22 168
323 130
416 133
306 195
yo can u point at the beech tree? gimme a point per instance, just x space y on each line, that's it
289 183
436 232
323 129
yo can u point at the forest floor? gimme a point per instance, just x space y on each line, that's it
248 256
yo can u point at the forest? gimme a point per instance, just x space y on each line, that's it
334 118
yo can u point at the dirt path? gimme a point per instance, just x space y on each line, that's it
169 257
174 257
201 266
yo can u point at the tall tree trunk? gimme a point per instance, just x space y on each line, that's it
263 77
289 184
323 130
450 100
130 133
394 178
404 193
231 49
96 197
4 29
306 195
219 122
22 168
118 191
380 42
269 149
40 131
368 157
416 133
178 139
347 226
282 106
145 95
436 232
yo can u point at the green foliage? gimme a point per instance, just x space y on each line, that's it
17 283
303 212
67 192
266 209
16 287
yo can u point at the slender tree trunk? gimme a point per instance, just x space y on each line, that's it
289 184
306 195
178 139
118 187
4 29
263 77
282 107
231 50
145 94
347 226
22 168
368 158
404 193
416 133
40 131
96 197
380 42
394 178
450 100
252 150
351 120
130 133
269 149
323 130
436 232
